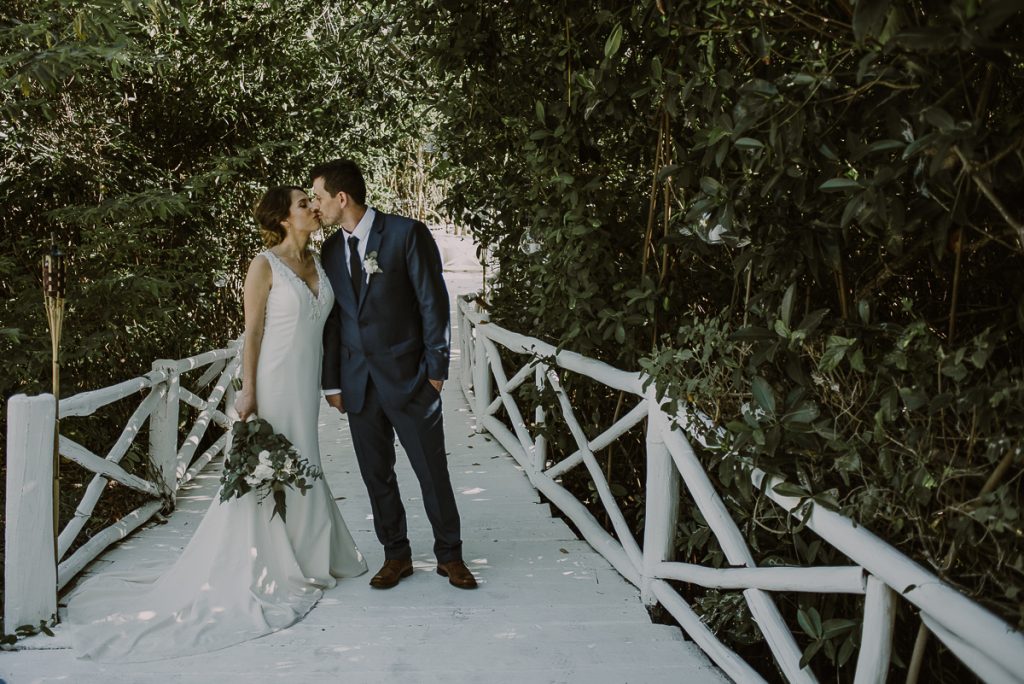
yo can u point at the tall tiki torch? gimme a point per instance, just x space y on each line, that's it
54 289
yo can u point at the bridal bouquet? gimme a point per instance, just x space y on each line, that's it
265 461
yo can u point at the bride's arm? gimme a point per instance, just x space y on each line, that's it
257 289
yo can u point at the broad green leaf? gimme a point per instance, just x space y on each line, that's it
864 311
810 652
764 395
611 46
790 489
940 118
886 145
840 184
913 397
711 186
787 303
781 329
748 144
869 18
836 626
805 412
810 622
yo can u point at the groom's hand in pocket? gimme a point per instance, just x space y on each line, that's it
437 384
335 401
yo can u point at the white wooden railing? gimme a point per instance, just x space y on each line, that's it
33 573
985 643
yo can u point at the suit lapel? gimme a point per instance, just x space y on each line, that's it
372 245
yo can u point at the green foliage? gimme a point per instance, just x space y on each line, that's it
22 631
802 218
138 135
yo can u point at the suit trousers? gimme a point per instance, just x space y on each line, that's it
420 428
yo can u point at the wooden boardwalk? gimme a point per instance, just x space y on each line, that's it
548 609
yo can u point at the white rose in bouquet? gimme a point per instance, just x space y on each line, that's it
263 472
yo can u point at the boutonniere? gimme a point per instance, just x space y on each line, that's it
370 265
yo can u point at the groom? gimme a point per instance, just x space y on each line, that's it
386 349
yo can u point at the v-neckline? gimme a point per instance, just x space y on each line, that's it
319 284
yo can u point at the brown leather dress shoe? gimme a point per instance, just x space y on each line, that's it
458 574
391 572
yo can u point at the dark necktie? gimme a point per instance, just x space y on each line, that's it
355 265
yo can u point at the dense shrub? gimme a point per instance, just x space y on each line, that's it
138 136
804 218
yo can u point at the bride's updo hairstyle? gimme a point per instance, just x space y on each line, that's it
272 209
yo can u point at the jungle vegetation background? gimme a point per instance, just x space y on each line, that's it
804 218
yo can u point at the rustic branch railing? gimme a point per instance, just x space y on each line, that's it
31 578
986 644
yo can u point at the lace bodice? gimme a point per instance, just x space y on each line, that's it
319 304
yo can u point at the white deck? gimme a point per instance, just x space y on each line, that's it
548 609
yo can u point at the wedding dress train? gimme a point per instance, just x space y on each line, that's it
242 575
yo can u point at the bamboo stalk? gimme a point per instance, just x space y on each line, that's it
956 287
653 202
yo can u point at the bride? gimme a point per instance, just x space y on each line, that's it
244 574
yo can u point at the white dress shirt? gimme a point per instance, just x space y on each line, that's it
362 231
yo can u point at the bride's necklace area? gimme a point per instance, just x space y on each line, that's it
297 258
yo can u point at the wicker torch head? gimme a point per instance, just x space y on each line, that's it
54 274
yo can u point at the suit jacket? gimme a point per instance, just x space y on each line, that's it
397 334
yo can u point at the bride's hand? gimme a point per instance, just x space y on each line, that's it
245 405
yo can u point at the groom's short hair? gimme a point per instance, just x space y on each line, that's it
341 175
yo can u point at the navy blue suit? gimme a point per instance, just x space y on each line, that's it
380 351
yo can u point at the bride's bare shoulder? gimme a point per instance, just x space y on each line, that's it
259 269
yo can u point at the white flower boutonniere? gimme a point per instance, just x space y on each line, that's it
370 265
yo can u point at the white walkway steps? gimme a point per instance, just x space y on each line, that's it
548 609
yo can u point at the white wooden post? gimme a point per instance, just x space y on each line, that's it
876 634
540 445
230 395
163 426
662 505
464 361
30 569
481 381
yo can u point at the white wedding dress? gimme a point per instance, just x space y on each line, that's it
243 574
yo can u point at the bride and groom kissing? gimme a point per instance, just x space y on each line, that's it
368 322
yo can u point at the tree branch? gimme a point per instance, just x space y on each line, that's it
987 191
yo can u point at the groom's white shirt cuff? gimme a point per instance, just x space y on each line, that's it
329 392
